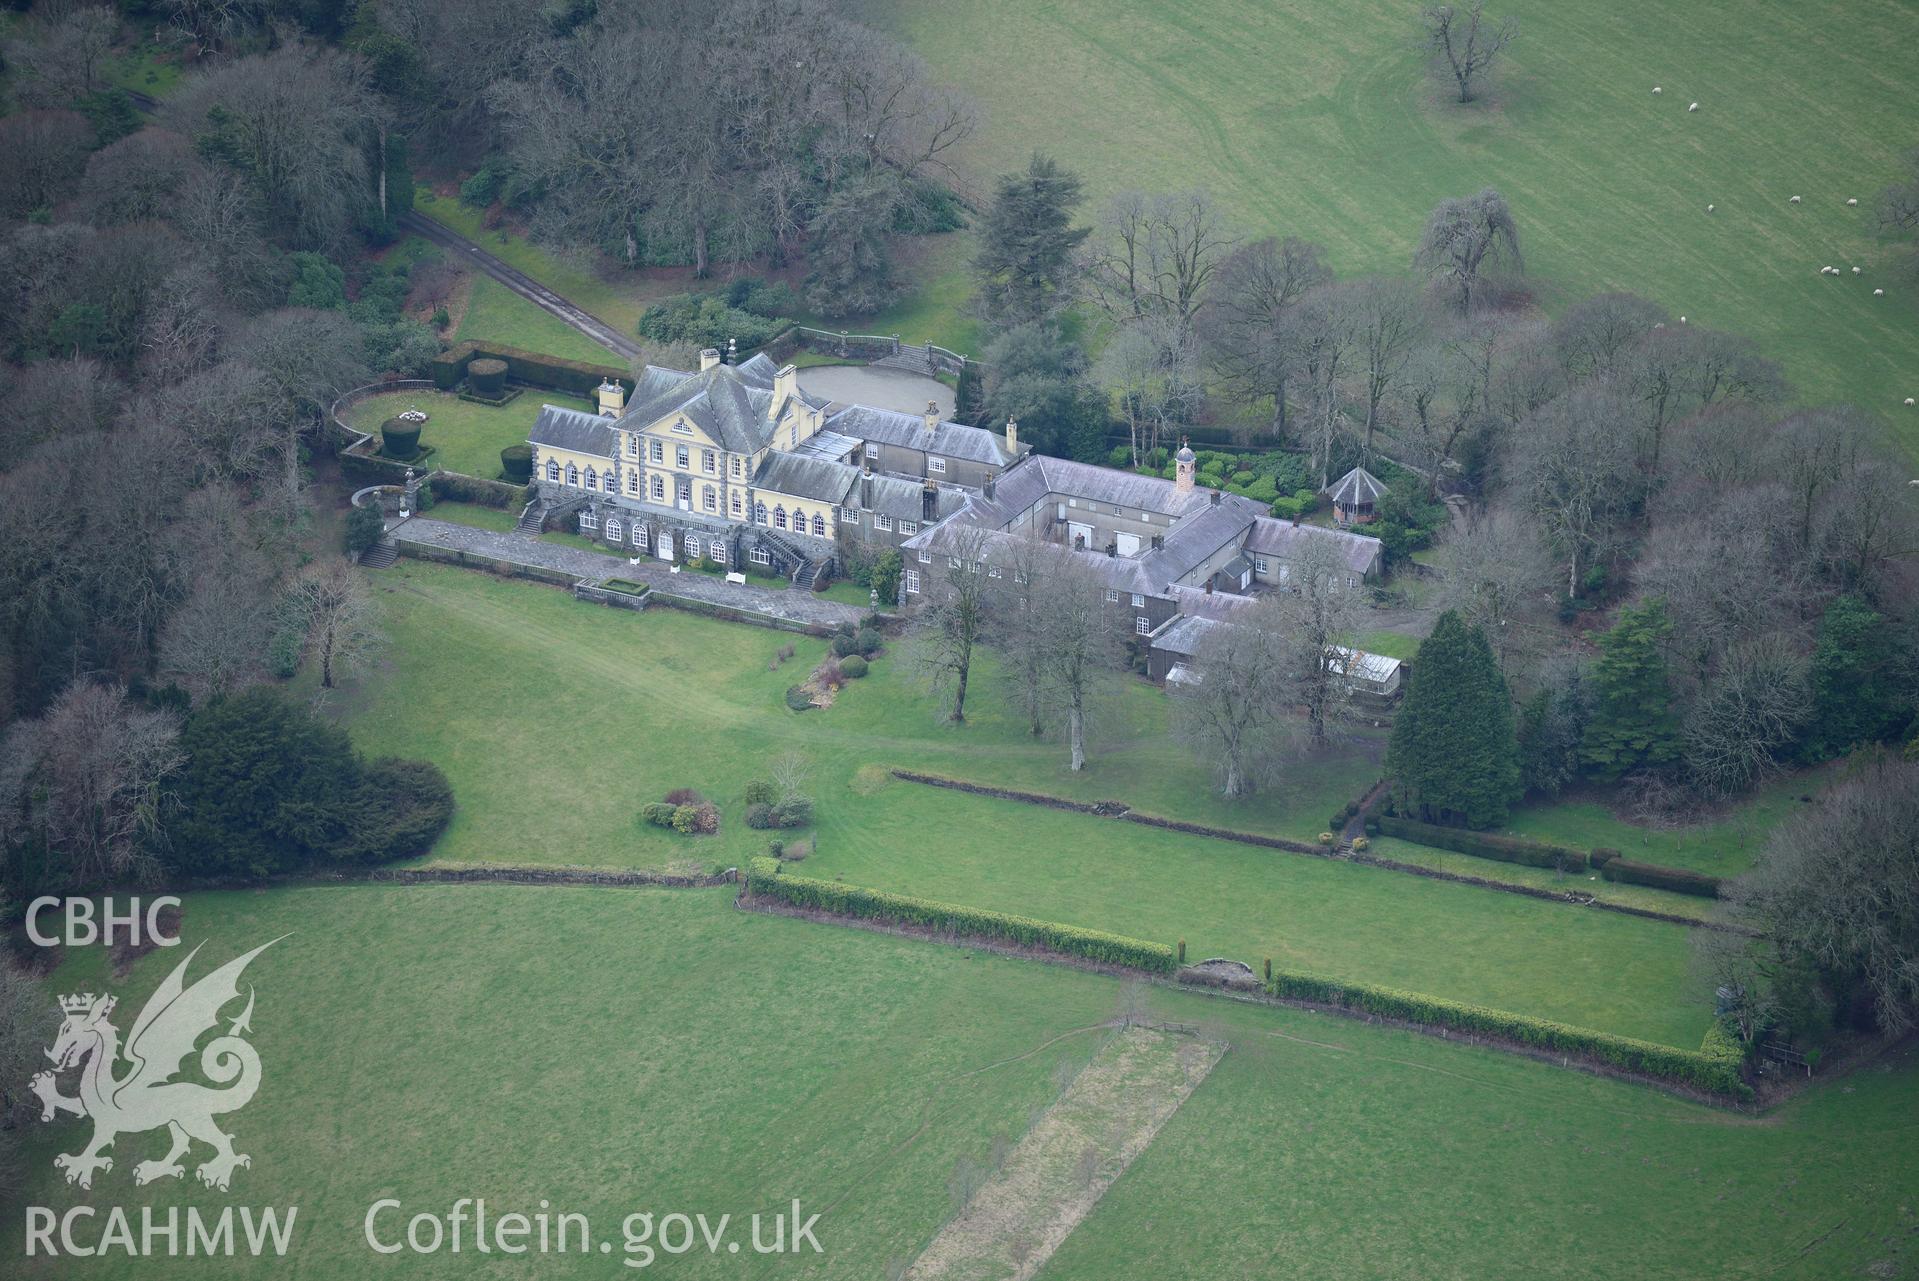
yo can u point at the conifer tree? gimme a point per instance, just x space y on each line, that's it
1633 726
1453 758
1027 242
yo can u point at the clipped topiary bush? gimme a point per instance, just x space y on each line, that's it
516 463
759 816
1680 880
487 377
798 699
399 439
852 667
867 642
794 811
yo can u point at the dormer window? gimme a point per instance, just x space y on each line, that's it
682 429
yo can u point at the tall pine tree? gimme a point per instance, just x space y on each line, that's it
1633 725
1453 758
1027 243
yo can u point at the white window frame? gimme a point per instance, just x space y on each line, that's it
613 530
926 557
908 528
589 520
912 577
710 498
1112 595
640 537
1143 625
1139 602
632 446
1259 565
710 462
692 546
849 516
936 465
659 489
682 457
760 556
655 451
717 550
682 429
738 505
882 522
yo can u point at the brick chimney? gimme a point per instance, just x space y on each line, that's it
1214 496
612 398
709 357
930 501
1012 437
866 487
931 417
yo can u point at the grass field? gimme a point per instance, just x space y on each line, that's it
555 723
495 313
1317 120
1723 845
465 437
612 1051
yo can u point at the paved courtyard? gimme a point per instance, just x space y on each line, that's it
882 388
787 604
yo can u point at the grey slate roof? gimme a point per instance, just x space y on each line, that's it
1286 540
574 429
728 402
900 498
820 479
1185 636
949 440
1357 487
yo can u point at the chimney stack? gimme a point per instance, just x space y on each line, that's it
932 416
930 501
866 489
1012 437
786 385
992 483
612 398
1215 497
709 357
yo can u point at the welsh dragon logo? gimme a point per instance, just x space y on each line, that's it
145 1096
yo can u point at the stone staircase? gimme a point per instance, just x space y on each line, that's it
914 360
809 575
787 556
533 518
381 555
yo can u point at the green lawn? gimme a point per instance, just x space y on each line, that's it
1314 119
465 437
1391 644
612 1051
496 314
556 723
497 519
1723 846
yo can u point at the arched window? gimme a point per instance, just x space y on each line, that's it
819 525
779 518
553 470
692 547
759 513
639 535
592 479
612 529
659 489
572 474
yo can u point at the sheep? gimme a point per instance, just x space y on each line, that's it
1694 107
1658 324
1657 89
1855 271
1908 400
1682 320
1710 208
1878 293
1853 201
1793 201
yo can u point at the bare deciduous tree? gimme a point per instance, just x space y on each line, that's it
1233 709
85 783
1018 635
1464 238
1579 473
1082 643
1315 617
1244 325
332 605
1388 322
1155 256
1497 573
955 618
1467 41
57 57
1754 705
1149 375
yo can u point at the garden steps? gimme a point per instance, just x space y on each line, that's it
533 519
912 359
381 555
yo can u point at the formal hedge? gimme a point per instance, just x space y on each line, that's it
516 463
763 876
1506 849
1714 1067
1680 880
579 377
400 439
451 486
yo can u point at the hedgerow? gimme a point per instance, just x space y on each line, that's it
1507 849
1714 1067
763 876
1678 879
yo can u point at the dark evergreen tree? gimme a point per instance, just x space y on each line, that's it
851 272
1027 239
1453 757
1859 694
1036 374
1633 724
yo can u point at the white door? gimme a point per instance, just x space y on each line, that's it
1079 535
664 544
1128 544
686 495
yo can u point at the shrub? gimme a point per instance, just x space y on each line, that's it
409 803
759 816
1372 827
686 819
793 811
763 876
577 376
1361 843
364 526
797 851
1680 880
1506 849
453 487
1338 820
828 675
843 646
852 667
658 813
1600 857
1713 1067
706 818
761 792
516 463
705 320
1325 838
776 848
399 439
488 377
867 643
798 699
684 796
